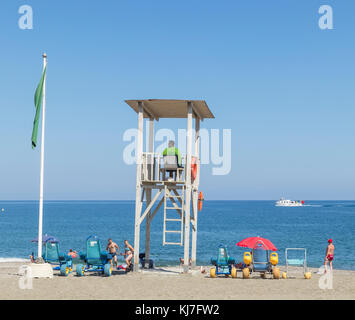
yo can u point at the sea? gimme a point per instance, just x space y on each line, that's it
220 222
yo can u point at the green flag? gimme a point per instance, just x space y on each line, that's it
38 104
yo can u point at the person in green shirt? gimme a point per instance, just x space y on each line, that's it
172 151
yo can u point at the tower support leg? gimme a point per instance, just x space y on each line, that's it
187 230
194 229
137 228
139 200
147 231
188 189
195 194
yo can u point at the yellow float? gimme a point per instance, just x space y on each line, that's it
246 273
234 272
276 273
247 258
274 258
308 275
213 273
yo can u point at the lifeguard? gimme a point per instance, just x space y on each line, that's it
173 152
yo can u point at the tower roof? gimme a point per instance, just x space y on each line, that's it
164 108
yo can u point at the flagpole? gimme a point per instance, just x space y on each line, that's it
40 219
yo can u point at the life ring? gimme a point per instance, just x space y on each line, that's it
200 201
193 168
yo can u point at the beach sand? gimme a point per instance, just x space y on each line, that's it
170 284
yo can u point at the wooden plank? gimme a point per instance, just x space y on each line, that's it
179 198
149 112
173 243
196 112
150 205
156 209
176 207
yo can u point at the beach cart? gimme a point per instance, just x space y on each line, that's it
95 259
261 259
52 255
224 264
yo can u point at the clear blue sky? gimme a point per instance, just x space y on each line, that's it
284 87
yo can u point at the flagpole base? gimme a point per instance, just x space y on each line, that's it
41 270
40 260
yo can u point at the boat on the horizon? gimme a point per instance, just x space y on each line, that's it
289 203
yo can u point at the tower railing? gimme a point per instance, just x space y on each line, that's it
153 168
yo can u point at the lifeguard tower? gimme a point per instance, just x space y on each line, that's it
179 195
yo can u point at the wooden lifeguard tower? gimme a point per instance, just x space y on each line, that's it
179 196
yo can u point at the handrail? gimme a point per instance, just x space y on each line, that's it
152 167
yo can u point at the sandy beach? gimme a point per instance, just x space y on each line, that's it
170 284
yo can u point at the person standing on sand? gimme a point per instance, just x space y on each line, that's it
111 248
128 254
329 256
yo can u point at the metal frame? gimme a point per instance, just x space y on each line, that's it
146 185
304 261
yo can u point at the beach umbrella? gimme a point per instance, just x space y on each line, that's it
252 242
46 238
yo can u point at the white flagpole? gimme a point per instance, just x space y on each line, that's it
40 220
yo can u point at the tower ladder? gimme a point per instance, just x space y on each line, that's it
177 200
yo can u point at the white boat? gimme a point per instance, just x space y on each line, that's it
288 203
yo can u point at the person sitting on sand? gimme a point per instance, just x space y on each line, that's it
72 253
329 255
128 253
111 248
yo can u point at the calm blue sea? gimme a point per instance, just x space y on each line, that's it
220 222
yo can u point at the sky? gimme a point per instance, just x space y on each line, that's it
284 87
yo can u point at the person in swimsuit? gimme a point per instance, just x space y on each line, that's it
128 254
72 253
329 255
111 248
